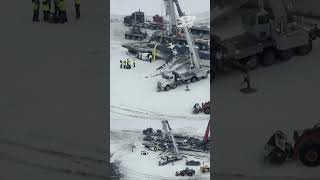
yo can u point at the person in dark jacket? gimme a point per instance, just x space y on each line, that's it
247 81
36 9
46 10
77 7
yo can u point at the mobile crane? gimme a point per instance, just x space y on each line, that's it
194 72
171 34
168 134
271 33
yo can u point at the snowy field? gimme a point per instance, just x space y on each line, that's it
287 99
135 105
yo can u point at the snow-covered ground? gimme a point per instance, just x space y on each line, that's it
287 99
135 105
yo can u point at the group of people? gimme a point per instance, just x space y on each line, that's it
126 64
59 13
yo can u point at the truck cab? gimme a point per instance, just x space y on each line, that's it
167 82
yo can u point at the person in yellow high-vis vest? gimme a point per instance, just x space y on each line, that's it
46 9
77 6
62 8
36 9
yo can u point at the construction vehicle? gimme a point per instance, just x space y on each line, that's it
204 169
206 138
134 19
271 33
306 147
138 19
157 23
186 171
167 135
148 137
154 147
175 35
194 72
205 107
193 163
135 33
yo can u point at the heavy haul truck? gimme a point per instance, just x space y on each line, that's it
271 33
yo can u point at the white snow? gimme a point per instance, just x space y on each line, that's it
136 105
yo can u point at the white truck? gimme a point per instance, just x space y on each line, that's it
194 72
173 79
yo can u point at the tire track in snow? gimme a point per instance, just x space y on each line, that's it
150 115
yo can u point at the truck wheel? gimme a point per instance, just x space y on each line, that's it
167 88
206 110
309 154
268 58
205 77
174 86
286 55
304 50
194 79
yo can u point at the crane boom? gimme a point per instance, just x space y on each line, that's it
193 53
206 135
178 8
279 12
170 12
168 130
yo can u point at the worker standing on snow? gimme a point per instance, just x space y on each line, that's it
187 87
120 64
129 64
62 9
246 79
36 9
46 10
134 63
77 7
